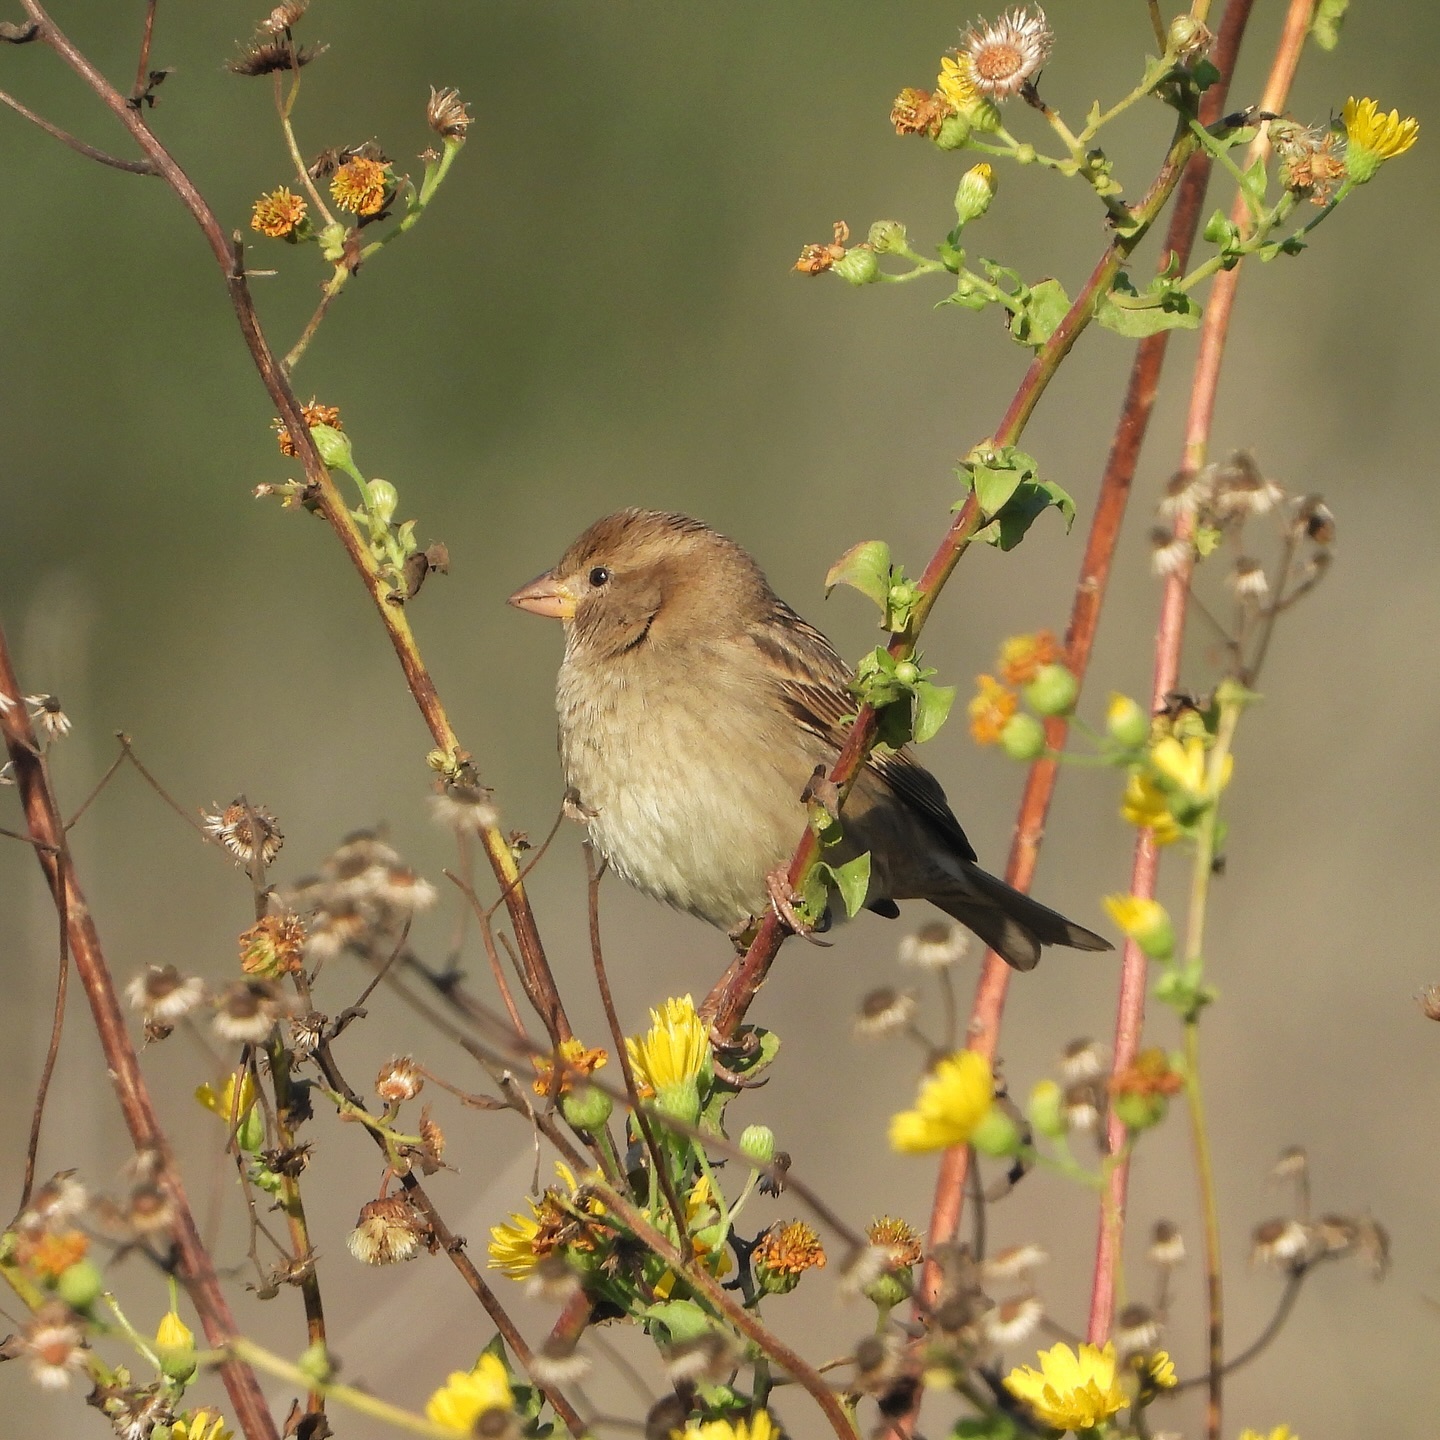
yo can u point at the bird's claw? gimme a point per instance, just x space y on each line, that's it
782 901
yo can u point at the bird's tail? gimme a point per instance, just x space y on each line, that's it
1011 923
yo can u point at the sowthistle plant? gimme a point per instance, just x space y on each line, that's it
645 1218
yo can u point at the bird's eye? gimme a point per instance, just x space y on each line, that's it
599 576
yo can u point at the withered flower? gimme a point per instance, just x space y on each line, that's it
272 946
279 214
447 115
240 828
265 57
399 1079
361 186
388 1231
315 414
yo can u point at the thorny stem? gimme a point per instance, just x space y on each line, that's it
229 255
988 1007
1130 1007
196 1268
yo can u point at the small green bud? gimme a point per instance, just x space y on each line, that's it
907 672
587 1109
1146 922
1046 1111
1023 737
1189 39
250 1133
333 445
997 1133
1139 1112
976 191
80 1285
384 498
1126 723
954 132
682 1101
1053 691
332 243
1025 154
887 236
758 1143
892 1288
859 266
315 1364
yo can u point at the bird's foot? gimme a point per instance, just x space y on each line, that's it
572 807
783 899
742 935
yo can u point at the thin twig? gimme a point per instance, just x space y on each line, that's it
131 167
142 66
52 1050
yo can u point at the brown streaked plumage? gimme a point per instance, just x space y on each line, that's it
694 706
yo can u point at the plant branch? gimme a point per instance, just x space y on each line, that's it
131 167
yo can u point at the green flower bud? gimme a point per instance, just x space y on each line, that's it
758 1143
587 1109
954 132
887 236
1023 737
332 243
997 1133
907 672
1189 39
859 266
1025 154
1053 691
250 1133
1126 723
333 445
682 1101
384 498
1139 1112
976 191
315 1364
1146 922
80 1285
1046 1111
893 1288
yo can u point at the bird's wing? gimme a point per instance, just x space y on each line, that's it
813 683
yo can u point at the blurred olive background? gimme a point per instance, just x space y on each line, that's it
598 311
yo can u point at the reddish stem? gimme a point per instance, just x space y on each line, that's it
983 1033
1130 1012
47 830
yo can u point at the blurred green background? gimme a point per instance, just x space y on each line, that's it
598 311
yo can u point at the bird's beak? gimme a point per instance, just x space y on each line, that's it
546 596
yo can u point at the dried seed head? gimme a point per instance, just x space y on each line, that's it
53 1344
552 1280
1137 1331
284 17
467 808
918 112
1429 1002
559 1362
1187 492
45 712
265 57
1167 1245
273 946
401 887
1315 521
1012 1322
248 1011
935 946
399 1079
1247 579
1005 55
162 994
388 1231
883 1013
58 1201
1083 1104
1292 1164
446 114
241 827
1281 1243
1015 1262
1169 554
1241 490
1083 1060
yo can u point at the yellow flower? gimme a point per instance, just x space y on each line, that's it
1160 1371
173 1333
1069 1391
577 1059
1280 1432
1146 922
954 1098
200 1425
1021 656
1183 765
1373 137
1146 807
512 1245
278 214
991 710
670 1058
223 1102
955 82
758 1427
360 185
467 1394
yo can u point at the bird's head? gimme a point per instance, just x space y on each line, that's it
646 576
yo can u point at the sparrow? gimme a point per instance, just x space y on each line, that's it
694 707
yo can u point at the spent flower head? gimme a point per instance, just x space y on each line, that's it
990 710
1003 56
361 185
280 214
243 829
446 114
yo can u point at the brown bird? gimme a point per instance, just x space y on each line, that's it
694 707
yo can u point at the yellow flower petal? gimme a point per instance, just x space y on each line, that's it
953 1099
1070 1391
468 1394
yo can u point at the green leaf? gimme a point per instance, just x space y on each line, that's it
998 1426
852 880
683 1319
1042 308
1135 315
1219 230
1325 27
995 475
932 706
1204 75
866 568
1031 499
